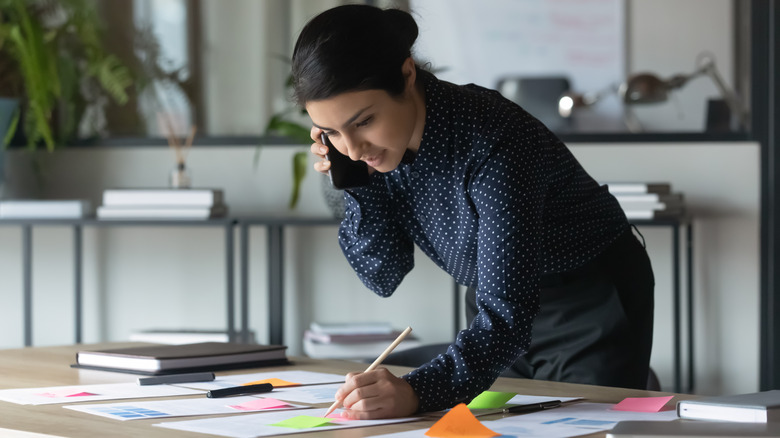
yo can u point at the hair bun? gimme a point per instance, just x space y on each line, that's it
402 24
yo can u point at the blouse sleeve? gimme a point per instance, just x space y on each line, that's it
376 247
510 211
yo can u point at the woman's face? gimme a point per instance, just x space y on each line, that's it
370 125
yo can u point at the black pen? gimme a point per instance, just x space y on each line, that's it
532 407
239 390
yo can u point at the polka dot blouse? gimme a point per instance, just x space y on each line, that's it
495 200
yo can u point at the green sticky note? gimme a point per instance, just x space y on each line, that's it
303 422
491 400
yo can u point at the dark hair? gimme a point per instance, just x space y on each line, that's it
352 48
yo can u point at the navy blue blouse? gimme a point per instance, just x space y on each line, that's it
495 200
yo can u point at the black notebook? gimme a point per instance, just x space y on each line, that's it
169 359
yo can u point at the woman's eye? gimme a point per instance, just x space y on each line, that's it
364 122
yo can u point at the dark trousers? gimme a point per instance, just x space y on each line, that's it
595 324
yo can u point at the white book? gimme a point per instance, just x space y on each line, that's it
683 428
160 212
360 350
638 187
163 197
652 214
351 328
668 198
631 206
44 209
756 407
182 336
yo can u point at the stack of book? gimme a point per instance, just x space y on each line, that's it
184 336
170 359
356 341
648 201
162 204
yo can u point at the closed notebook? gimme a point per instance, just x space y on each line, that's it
164 359
756 407
690 428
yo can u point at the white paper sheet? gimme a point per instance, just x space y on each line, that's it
302 377
308 394
172 408
528 399
573 420
259 425
567 421
89 393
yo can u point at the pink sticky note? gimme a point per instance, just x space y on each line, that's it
336 416
260 403
642 404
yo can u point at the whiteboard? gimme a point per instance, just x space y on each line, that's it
467 41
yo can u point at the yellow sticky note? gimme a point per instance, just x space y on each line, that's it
277 383
459 422
491 400
303 422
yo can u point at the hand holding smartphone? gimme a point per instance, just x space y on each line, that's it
344 173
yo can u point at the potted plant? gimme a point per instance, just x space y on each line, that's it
53 49
285 125
288 124
280 124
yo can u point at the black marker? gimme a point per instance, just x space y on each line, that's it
176 378
532 407
239 390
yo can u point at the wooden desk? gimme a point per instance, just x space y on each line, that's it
49 366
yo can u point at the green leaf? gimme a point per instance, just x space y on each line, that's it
291 130
11 128
300 163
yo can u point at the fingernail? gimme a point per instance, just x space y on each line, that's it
323 149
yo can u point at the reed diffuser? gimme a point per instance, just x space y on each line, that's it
180 177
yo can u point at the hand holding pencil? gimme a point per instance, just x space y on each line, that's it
377 393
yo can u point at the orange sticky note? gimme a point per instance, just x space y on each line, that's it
277 383
642 404
459 422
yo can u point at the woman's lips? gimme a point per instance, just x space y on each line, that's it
374 160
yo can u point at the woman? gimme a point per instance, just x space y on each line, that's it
561 287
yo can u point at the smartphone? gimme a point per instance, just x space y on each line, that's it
344 173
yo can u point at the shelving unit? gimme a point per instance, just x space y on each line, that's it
78 225
276 228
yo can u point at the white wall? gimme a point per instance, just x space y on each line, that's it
140 278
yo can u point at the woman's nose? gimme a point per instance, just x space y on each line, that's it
354 150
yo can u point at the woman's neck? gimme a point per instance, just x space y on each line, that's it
418 99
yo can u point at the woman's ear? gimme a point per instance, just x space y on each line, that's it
409 71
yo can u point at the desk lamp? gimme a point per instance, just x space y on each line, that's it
646 88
